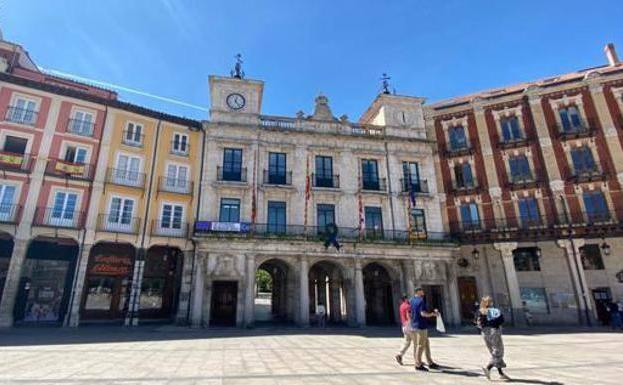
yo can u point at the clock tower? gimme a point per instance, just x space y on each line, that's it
235 99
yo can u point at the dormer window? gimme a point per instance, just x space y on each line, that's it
511 130
458 139
570 119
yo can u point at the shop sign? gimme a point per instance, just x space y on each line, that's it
11 159
69 168
112 265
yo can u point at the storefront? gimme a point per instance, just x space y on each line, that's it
45 283
108 282
161 282
6 250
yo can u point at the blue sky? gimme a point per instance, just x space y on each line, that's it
431 48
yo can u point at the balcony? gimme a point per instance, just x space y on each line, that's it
464 188
169 229
180 148
16 162
277 179
118 223
133 139
458 150
231 174
575 132
59 217
522 181
587 175
69 170
125 178
325 181
418 186
314 233
175 185
9 213
21 116
80 127
373 184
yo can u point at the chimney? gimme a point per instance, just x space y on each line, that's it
611 55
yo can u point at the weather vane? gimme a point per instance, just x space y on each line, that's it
385 84
237 72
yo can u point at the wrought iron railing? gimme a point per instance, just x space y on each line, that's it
118 223
175 185
419 186
16 162
277 178
80 127
126 177
373 184
62 168
21 115
326 181
172 229
59 217
231 174
10 213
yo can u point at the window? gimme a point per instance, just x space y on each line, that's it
276 168
276 217
180 143
535 299
177 177
374 221
23 111
458 140
75 154
15 144
230 210
526 259
583 161
510 129
7 195
463 175
63 210
591 257
232 164
120 213
519 168
596 206
171 217
324 171
325 216
127 171
411 173
81 123
419 220
369 174
570 118
133 134
469 216
529 211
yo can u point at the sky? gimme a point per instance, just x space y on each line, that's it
436 49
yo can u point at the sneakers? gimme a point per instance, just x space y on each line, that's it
398 359
487 373
421 368
433 366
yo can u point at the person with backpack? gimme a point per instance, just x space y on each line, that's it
489 320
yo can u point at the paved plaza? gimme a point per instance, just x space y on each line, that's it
171 355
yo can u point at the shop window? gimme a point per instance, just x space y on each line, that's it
591 257
526 259
535 299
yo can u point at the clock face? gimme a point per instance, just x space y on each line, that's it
235 101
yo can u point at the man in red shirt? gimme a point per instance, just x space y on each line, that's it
405 322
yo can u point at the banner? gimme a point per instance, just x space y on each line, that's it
11 159
231 227
70 168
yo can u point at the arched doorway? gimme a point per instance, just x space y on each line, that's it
327 287
274 286
377 285
45 281
6 250
161 282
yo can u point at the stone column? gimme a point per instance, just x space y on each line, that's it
304 292
197 293
11 285
485 142
572 251
360 301
506 251
74 306
453 294
249 296
552 167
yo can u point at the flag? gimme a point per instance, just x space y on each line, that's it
253 196
307 191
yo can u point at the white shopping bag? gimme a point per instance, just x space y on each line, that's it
441 328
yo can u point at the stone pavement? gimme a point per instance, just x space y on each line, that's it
171 355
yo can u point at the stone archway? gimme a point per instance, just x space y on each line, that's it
378 294
327 286
273 299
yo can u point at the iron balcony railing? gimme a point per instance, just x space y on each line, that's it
373 184
62 168
587 175
325 181
277 178
231 174
584 129
59 217
118 223
465 188
21 115
171 229
16 162
180 148
132 138
316 233
519 181
419 186
80 127
514 142
10 213
125 177
175 185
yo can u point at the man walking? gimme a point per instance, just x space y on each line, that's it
321 314
419 323
405 323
